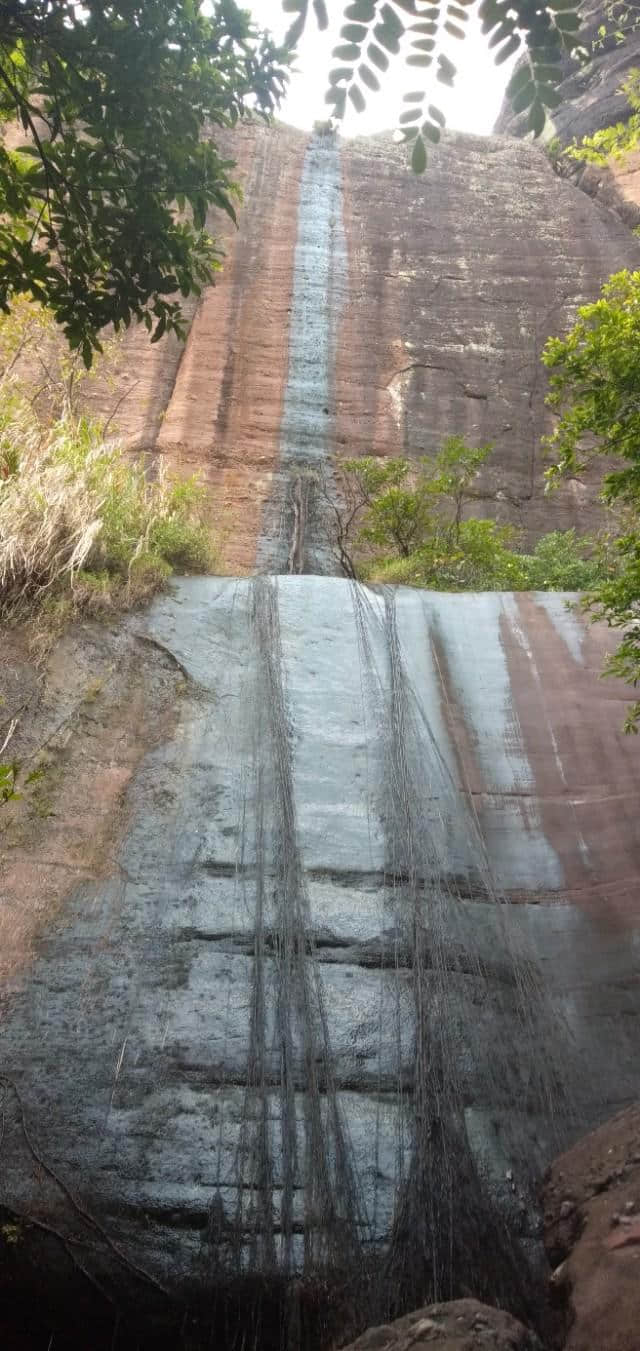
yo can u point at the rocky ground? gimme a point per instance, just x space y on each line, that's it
463 1325
592 1235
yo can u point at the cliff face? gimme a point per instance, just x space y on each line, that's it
592 99
317 1000
590 91
364 311
327 934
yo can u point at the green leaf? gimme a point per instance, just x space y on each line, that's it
446 71
524 97
378 57
549 95
508 50
520 78
346 52
367 76
537 118
320 11
567 22
357 98
387 38
353 32
419 156
432 133
436 115
363 11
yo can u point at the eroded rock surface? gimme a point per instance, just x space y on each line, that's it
592 1234
463 1325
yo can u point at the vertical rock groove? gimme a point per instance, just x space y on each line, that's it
290 539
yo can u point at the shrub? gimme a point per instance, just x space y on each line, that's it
403 522
478 558
558 563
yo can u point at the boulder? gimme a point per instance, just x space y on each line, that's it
462 1325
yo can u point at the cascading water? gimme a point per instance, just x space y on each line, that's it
291 538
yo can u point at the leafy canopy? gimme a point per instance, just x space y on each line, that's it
595 388
377 32
110 102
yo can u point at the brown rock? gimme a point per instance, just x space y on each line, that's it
602 1262
625 1237
462 1325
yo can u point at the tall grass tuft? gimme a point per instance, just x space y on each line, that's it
81 526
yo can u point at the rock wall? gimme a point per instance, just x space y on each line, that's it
364 311
590 90
592 98
346 944
365 955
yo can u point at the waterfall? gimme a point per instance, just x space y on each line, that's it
291 538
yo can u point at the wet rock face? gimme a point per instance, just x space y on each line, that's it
293 1043
364 311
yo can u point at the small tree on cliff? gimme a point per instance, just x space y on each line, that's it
375 34
110 103
595 387
403 521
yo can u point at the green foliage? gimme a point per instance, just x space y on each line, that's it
409 529
561 561
375 34
84 530
617 141
478 558
8 778
621 19
595 387
103 206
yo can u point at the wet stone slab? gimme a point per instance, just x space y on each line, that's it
363 935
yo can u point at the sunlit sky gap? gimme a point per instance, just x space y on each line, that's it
472 106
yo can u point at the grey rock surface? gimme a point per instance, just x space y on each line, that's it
372 939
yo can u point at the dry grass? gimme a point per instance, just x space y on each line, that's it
82 529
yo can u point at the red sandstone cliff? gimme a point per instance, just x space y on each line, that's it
444 290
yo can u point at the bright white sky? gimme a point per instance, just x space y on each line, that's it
472 106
